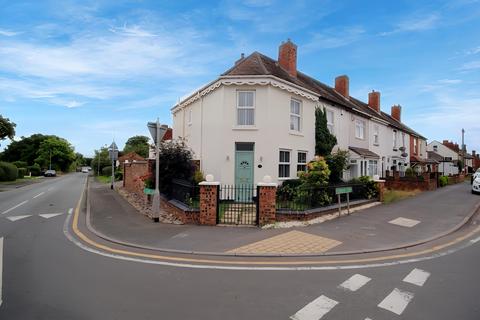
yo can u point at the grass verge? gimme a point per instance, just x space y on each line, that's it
396 195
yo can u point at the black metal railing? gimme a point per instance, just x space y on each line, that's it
303 199
186 193
237 205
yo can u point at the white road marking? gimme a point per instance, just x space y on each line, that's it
417 277
49 215
15 207
1 268
368 319
316 309
15 218
38 195
396 301
404 222
355 282
70 211
475 240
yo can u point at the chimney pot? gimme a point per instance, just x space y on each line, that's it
287 57
396 112
374 101
342 85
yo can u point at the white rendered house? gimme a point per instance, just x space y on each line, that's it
258 118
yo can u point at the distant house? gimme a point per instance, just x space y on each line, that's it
130 157
446 154
258 118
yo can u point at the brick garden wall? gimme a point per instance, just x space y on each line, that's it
182 213
411 183
131 176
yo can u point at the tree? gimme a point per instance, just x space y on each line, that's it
25 149
58 151
138 144
337 162
7 128
175 162
324 140
100 160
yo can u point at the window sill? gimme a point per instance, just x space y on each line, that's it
376 144
286 178
245 128
359 138
296 133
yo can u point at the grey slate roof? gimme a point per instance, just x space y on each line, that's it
259 64
364 152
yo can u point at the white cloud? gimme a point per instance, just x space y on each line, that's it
415 24
449 81
472 65
334 38
8 33
133 31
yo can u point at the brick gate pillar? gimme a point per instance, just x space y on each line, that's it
267 195
381 189
208 201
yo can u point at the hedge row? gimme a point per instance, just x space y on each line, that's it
8 171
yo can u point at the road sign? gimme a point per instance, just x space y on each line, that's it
152 127
343 190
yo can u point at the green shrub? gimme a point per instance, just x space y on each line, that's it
198 177
22 172
118 175
9 172
288 189
20 164
337 162
409 172
107 171
370 190
443 181
35 170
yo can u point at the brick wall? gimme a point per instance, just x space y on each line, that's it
208 204
182 213
131 176
267 204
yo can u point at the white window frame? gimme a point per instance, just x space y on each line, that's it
301 166
190 117
376 135
395 139
372 167
239 108
284 163
296 118
330 124
435 148
360 129
415 146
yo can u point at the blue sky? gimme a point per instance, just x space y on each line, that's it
91 71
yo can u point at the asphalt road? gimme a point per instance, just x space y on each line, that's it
46 276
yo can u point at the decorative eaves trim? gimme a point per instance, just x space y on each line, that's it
264 81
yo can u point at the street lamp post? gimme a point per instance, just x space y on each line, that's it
157 131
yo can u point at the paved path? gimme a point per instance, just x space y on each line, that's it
384 226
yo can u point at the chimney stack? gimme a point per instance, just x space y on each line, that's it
342 85
374 101
397 112
287 57
473 153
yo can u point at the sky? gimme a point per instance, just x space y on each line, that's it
94 71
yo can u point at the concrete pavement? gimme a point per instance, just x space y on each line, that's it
402 224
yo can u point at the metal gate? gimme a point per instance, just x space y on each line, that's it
237 205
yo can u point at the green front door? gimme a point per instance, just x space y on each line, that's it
244 158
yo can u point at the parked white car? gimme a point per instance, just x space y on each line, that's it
475 175
476 185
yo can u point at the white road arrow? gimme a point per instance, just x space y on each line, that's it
15 218
49 215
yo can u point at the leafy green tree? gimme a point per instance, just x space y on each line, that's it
100 160
25 149
60 152
324 140
138 144
175 162
7 128
337 162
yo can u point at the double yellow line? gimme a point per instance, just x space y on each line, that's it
106 248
